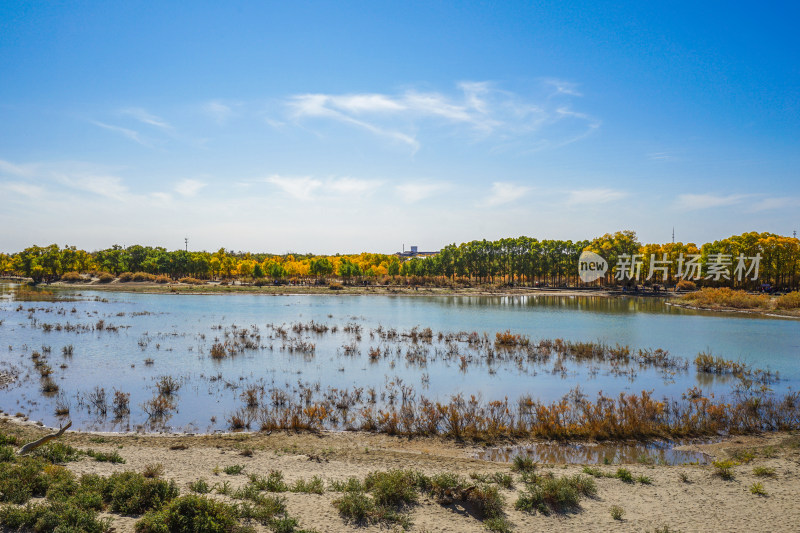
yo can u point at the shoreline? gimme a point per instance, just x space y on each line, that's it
669 298
685 497
383 290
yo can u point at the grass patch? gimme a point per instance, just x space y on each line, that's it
549 494
130 493
623 474
53 516
617 512
57 452
724 469
106 457
200 486
315 486
763 471
191 514
272 483
233 470
757 488
394 487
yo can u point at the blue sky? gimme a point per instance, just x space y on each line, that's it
362 126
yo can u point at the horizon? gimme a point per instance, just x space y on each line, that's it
328 126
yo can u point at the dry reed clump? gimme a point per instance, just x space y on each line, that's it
191 281
136 277
105 277
121 404
725 297
163 279
574 417
788 301
71 277
708 363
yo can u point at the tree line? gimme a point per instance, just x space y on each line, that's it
520 261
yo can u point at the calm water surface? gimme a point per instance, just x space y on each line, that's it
174 333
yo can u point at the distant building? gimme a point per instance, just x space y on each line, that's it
414 252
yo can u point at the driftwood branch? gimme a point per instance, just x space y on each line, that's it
35 444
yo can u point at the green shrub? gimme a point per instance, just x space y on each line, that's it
233 470
106 457
7 439
487 501
315 486
22 479
724 469
57 452
556 494
393 487
200 486
355 506
53 516
617 512
763 471
523 464
623 474
7 454
130 493
351 485
191 514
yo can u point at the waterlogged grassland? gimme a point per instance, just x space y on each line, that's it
154 363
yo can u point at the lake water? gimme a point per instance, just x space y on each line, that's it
147 336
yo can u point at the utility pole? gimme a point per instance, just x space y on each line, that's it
673 234
186 241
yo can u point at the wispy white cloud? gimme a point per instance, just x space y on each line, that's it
218 110
16 170
504 193
299 188
477 109
161 197
595 196
102 185
352 186
189 187
130 134
708 201
146 118
562 87
24 189
414 192
768 204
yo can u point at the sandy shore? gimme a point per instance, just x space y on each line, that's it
217 288
704 503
